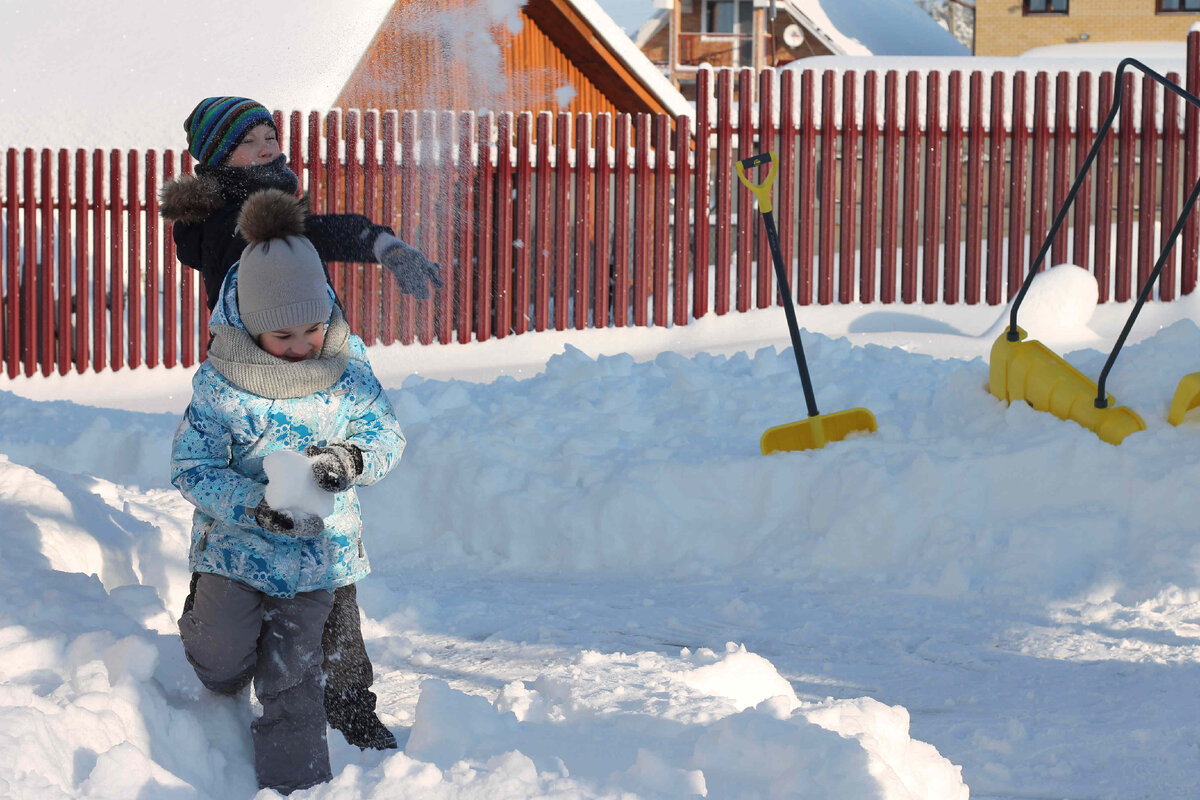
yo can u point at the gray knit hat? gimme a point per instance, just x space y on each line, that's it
281 281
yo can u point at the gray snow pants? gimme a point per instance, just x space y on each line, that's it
234 633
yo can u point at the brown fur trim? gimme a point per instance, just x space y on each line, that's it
270 214
189 198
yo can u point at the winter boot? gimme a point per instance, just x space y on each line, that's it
354 715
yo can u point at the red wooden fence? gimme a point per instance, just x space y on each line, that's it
923 187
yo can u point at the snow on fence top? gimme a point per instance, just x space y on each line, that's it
1166 58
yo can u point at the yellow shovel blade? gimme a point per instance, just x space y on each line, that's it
1030 371
1187 397
815 432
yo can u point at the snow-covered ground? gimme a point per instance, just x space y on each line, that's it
589 583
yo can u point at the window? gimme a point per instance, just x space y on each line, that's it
1168 6
1053 6
733 17
729 16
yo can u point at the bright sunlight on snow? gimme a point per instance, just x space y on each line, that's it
588 583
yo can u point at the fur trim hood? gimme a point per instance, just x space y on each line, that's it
190 198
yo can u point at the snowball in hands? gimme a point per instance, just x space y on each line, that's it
292 487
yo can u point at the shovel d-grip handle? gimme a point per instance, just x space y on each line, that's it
762 191
1013 335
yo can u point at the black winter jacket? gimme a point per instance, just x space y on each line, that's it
204 209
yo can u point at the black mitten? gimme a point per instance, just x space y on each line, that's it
412 270
284 523
336 466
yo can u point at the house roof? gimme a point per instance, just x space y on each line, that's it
623 51
878 27
84 74
125 75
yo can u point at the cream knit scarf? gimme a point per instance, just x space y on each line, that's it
235 355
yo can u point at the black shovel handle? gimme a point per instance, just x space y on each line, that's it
763 193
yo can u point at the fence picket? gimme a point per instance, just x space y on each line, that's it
583 219
29 273
828 191
523 224
997 150
912 187
931 269
464 268
604 211
1063 173
681 263
891 186
849 200
700 271
562 205
787 185
662 219
45 355
65 237
154 229
1147 252
976 191
1126 161
1040 173
643 214
542 231
1081 254
747 218
764 283
724 191
1170 184
869 225
1018 198
951 260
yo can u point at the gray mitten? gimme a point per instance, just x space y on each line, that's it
412 270
284 523
336 466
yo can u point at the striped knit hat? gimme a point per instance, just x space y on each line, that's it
217 124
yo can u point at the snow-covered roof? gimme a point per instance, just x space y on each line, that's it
82 73
631 55
877 27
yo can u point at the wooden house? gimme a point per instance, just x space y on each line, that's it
551 55
742 33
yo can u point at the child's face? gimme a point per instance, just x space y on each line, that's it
294 344
260 145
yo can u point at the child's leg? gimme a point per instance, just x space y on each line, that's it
290 749
219 629
349 701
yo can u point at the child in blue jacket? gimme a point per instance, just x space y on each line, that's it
283 373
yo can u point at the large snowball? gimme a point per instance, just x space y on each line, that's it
292 487
1060 302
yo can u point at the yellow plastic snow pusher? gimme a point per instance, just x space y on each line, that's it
819 429
1024 369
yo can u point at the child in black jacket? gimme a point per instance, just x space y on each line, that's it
236 148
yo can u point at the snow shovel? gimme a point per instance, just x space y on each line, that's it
1022 369
819 429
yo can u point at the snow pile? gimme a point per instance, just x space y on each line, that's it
561 560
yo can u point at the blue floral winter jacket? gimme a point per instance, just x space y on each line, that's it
216 462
